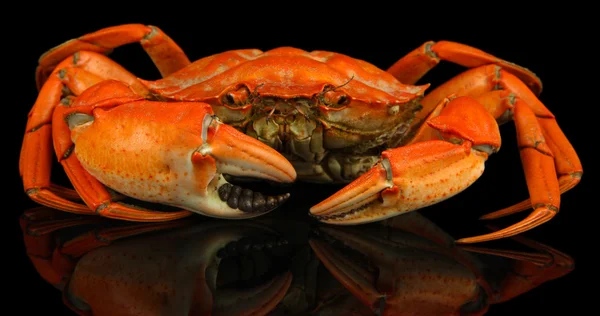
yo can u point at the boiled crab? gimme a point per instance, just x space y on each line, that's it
319 116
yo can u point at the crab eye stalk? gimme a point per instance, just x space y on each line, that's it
237 97
336 99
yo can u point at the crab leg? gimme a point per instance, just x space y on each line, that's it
540 173
481 83
412 67
165 53
93 193
567 164
74 75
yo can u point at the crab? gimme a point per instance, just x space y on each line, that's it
283 115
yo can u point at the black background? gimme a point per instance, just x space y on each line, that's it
548 43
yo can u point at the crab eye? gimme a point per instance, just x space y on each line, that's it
336 99
237 97
229 98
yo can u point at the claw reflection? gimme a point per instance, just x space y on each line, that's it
405 265
409 266
177 268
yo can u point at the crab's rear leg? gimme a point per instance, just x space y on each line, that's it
499 92
164 52
412 67
71 77
104 95
567 164
476 83
540 174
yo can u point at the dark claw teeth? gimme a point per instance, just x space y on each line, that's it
247 200
233 201
283 197
258 202
271 202
275 201
236 190
234 196
224 191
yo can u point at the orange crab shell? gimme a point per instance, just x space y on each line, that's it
286 73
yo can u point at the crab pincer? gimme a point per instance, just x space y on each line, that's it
169 153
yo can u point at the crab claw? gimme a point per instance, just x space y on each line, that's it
236 154
177 154
405 179
420 174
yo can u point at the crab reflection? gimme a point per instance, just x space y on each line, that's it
410 266
274 266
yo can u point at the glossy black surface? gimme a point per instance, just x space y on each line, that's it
282 263
555 58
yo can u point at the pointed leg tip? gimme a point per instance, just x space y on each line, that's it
487 217
493 215
536 218
519 207
483 238
468 240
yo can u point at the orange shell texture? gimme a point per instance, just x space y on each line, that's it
284 72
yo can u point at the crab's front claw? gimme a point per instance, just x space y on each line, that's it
240 155
171 153
405 179
420 174
228 151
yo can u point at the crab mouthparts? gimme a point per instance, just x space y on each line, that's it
249 201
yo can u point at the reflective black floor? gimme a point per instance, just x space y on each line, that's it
284 263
